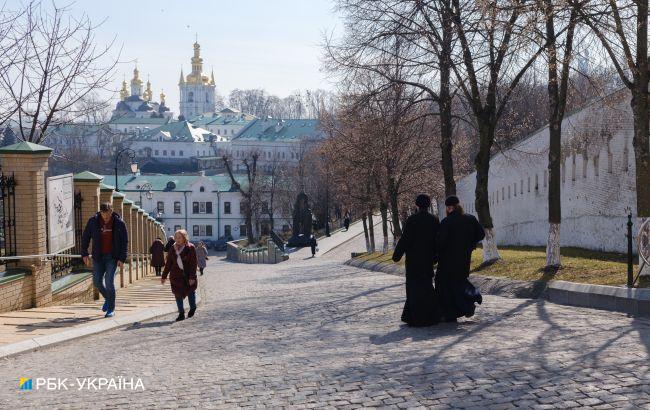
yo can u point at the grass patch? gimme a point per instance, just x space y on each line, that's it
527 263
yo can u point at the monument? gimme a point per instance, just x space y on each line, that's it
302 223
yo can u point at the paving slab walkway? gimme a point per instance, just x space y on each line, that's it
313 333
35 327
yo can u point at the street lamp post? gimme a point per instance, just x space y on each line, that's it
327 200
134 165
146 187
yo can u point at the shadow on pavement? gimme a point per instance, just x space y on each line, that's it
139 325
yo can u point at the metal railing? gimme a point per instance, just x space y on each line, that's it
8 209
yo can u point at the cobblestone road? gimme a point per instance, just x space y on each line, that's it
315 333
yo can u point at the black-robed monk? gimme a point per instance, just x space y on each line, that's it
418 241
458 236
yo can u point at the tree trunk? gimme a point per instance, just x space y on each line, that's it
640 107
444 104
482 204
643 268
365 231
555 140
553 246
249 225
394 209
371 232
641 143
383 209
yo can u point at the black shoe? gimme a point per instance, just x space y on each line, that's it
181 316
191 312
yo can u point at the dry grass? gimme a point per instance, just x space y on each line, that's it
527 263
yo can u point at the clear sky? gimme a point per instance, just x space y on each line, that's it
272 44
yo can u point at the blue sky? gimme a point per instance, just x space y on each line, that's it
272 44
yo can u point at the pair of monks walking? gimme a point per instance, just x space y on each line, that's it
449 243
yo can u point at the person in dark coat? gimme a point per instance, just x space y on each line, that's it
313 245
157 255
459 234
418 241
180 266
346 221
110 242
169 244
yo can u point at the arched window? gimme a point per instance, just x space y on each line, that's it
202 189
190 96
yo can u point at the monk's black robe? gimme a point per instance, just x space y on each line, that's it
418 241
457 238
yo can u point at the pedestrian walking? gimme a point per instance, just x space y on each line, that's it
180 266
201 256
346 221
169 244
313 245
110 242
459 234
418 241
157 251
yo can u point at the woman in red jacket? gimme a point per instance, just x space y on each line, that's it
181 266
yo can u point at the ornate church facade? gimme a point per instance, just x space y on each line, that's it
197 91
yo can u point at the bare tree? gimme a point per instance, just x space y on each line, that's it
558 52
407 42
250 192
60 67
496 52
622 30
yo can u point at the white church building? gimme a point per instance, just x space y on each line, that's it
597 181
197 91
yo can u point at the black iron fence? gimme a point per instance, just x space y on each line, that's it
62 264
8 209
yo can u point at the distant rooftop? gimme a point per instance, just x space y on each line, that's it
180 131
271 129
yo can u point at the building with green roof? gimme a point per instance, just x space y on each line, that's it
207 206
275 140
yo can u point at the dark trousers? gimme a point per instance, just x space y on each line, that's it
158 270
190 298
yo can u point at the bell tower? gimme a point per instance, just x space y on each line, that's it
197 91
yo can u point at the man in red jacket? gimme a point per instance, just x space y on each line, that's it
110 243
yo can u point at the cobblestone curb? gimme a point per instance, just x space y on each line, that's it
102 325
612 298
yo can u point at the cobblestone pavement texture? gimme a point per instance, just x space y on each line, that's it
314 333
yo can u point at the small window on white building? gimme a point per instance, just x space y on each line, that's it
573 167
164 153
546 179
177 207
156 152
173 153
180 153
